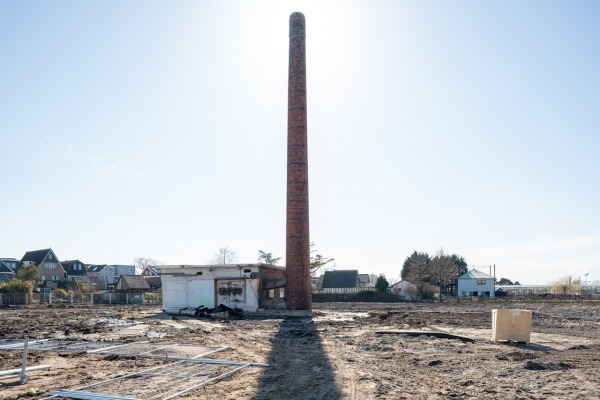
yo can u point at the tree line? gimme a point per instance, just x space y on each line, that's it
431 273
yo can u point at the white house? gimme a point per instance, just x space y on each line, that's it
101 275
119 269
405 290
475 284
242 286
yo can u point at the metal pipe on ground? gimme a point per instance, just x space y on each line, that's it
18 370
224 362
15 346
73 394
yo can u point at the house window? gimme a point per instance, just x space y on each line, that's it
43 277
481 281
54 278
50 256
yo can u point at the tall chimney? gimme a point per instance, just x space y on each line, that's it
297 258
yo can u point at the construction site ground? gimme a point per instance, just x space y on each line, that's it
337 354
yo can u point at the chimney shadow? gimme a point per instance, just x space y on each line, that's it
299 366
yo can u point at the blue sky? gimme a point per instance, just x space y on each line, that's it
158 129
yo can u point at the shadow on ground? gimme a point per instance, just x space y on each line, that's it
299 367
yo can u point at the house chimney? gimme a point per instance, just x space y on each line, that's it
297 258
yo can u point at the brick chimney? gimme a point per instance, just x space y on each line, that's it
297 259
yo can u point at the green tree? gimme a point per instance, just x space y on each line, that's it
317 261
505 281
17 286
415 268
382 284
267 258
430 273
28 272
461 264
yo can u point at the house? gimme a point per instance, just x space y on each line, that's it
340 279
51 271
101 275
149 271
119 269
475 283
7 273
75 270
155 282
11 263
131 284
152 276
365 281
248 287
405 290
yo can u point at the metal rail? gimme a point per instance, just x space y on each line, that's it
113 347
74 394
222 376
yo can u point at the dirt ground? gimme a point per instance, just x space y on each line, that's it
335 355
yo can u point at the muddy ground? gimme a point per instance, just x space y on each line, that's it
335 355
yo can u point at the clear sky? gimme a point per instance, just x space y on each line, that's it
158 129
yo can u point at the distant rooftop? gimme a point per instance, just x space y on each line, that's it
475 274
179 266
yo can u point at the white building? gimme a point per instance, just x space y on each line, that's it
241 286
119 269
405 290
475 284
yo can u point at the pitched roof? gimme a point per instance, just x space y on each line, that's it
151 270
134 281
153 281
36 256
340 279
68 266
96 268
5 269
475 274
402 283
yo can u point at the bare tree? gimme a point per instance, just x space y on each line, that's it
223 257
442 271
143 262
567 285
373 279
412 292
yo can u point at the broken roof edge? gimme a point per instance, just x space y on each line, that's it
191 266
